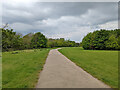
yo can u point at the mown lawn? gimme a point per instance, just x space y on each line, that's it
20 69
99 63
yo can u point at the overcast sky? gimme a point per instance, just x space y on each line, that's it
69 20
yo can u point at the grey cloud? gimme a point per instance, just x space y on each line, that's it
71 20
53 10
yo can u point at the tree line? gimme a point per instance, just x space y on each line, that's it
97 40
102 40
61 43
15 41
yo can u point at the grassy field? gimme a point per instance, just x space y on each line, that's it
20 69
99 63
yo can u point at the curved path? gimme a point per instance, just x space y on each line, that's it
60 72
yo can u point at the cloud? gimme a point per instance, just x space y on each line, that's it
21 27
70 20
109 25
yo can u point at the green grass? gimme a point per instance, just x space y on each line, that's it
20 69
99 63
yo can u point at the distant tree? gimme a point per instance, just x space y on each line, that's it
39 40
80 44
27 40
51 43
61 43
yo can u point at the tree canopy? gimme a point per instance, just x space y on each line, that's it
61 43
102 40
11 40
14 41
97 40
39 40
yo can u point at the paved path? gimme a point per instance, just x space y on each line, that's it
60 72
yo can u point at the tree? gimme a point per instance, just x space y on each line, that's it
112 42
39 40
11 40
27 40
100 37
61 43
86 41
102 40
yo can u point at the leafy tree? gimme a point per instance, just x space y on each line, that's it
27 40
100 37
39 40
112 42
86 41
102 40
61 43
11 40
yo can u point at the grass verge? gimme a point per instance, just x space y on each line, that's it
101 64
20 69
